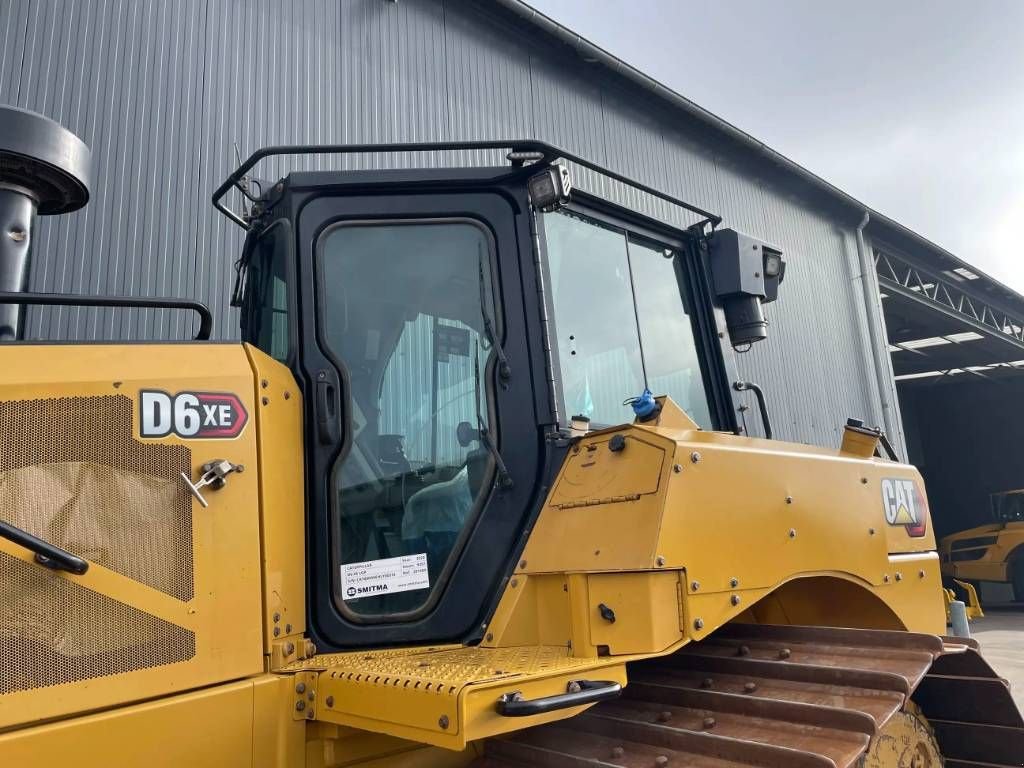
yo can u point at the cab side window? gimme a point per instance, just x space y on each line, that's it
266 311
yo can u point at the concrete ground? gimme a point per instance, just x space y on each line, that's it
1001 634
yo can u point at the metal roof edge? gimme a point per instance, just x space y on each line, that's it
592 52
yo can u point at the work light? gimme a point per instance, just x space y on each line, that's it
549 189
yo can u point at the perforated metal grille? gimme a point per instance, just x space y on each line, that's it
71 473
53 631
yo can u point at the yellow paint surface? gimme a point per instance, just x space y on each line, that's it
224 612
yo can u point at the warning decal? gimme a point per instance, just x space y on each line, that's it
904 505
384 577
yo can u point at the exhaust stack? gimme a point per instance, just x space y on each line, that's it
44 169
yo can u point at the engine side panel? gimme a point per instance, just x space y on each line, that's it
214 727
171 600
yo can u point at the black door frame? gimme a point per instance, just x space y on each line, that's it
458 610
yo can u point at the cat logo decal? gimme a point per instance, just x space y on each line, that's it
905 505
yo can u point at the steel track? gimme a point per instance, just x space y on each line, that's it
783 697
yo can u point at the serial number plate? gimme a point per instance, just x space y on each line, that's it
384 577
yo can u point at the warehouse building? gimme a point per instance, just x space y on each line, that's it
874 321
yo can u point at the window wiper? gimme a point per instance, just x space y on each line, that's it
504 370
47 554
483 435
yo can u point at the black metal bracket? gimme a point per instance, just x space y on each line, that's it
538 151
47 555
889 450
580 692
127 302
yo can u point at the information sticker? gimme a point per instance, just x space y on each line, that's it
384 577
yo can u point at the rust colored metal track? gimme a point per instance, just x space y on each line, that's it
783 697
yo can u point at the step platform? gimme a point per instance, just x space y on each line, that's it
450 696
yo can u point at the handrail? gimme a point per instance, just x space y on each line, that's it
132 302
580 692
548 153
745 386
48 555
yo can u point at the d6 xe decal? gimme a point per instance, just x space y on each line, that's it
191 414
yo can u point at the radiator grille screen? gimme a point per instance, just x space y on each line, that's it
55 631
72 473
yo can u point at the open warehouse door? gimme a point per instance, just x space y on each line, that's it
956 339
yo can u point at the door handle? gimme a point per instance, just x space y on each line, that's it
326 413
579 692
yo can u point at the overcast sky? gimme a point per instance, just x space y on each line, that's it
915 107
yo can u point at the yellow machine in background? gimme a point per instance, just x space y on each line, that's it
212 557
992 552
972 605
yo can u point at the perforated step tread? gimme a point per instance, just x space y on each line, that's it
445 696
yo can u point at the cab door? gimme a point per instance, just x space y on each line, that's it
425 431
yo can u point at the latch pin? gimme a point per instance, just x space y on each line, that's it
214 475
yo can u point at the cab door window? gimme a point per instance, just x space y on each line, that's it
402 311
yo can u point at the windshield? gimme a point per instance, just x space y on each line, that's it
1008 507
404 311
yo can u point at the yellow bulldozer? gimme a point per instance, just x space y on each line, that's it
993 552
428 513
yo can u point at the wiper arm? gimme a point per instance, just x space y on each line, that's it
483 435
504 370
504 478
47 554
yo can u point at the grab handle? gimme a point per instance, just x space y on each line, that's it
579 692
743 386
47 554
326 413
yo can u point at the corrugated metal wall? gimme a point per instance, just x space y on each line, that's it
163 92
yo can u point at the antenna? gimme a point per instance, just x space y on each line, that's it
243 183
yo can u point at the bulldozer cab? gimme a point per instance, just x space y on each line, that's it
446 326
1008 506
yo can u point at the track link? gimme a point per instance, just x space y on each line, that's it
784 697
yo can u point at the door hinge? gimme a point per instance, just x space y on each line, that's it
290 650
